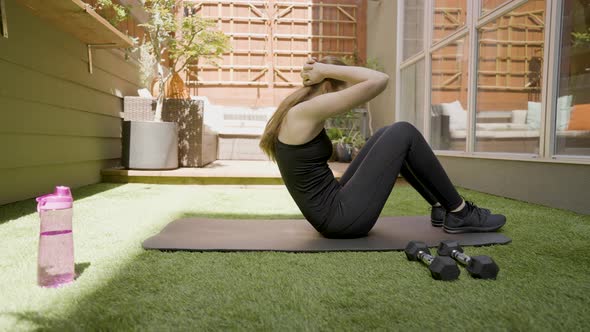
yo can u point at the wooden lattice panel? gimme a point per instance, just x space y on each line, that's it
449 16
508 48
302 29
246 23
270 41
511 58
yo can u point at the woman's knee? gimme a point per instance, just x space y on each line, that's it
381 130
399 125
401 131
404 125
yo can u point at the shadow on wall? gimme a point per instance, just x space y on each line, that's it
19 209
188 115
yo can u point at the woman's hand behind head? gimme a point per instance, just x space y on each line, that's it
311 73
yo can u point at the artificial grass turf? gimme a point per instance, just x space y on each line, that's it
543 282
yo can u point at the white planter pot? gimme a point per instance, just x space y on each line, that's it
150 145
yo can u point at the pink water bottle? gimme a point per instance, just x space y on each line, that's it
55 265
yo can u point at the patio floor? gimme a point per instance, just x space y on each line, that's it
217 172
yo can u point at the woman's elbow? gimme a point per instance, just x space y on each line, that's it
382 81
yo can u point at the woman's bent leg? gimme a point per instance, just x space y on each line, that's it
354 164
405 171
363 196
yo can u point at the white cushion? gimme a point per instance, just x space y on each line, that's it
501 126
533 115
565 101
457 115
519 116
506 134
564 110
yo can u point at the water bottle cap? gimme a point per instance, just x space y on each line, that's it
63 191
60 199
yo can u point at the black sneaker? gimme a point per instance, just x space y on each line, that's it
473 219
437 216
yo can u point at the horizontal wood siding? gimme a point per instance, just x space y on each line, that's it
59 124
26 182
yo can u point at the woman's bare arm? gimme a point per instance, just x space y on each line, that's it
364 85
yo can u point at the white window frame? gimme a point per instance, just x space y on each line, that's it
474 21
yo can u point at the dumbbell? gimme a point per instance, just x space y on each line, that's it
441 267
482 267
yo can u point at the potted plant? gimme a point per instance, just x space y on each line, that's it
358 142
349 145
335 134
345 146
344 149
344 132
177 40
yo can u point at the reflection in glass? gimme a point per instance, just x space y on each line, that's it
412 95
489 5
413 27
449 16
572 126
509 81
449 96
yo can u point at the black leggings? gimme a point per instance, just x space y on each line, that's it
369 179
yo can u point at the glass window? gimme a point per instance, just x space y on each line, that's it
489 5
448 120
449 16
412 95
572 136
413 27
509 81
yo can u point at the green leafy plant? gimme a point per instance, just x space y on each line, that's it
334 133
113 12
345 129
178 41
358 140
581 39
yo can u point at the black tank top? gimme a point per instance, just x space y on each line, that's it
311 183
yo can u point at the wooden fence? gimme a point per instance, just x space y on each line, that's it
270 40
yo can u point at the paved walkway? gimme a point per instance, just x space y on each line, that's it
218 172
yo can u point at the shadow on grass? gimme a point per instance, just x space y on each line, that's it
172 291
19 209
79 268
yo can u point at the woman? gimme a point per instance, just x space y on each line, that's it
296 139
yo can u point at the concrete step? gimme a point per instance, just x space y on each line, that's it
240 172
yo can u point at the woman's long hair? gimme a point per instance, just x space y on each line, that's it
271 132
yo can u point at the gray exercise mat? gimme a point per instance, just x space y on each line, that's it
297 235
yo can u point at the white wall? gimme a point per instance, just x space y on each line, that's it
381 45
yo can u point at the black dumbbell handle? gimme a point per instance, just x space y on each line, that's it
461 257
425 257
